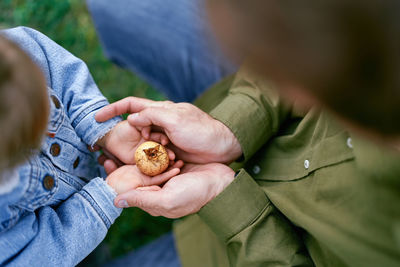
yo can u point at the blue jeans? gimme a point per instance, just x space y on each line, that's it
166 42
159 253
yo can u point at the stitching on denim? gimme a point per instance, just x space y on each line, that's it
96 206
95 106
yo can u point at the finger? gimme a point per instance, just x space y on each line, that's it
127 105
158 137
164 140
110 166
145 200
171 154
162 178
155 115
179 164
146 132
149 188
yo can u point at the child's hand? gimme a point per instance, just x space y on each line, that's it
123 140
129 177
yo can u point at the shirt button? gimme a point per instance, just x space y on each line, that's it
349 142
76 162
48 182
306 164
55 101
256 169
55 149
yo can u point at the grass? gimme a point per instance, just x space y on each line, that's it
69 24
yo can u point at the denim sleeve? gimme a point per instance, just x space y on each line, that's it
62 235
70 79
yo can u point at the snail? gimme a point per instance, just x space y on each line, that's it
151 158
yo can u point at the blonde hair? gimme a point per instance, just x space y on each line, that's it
24 105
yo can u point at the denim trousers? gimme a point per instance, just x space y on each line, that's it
168 43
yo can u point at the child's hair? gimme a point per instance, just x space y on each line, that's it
23 105
345 52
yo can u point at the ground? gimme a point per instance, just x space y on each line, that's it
68 23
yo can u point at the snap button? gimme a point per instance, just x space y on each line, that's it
48 182
76 163
349 142
306 164
256 169
55 101
55 149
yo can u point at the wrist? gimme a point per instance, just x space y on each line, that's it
230 149
110 183
224 180
102 141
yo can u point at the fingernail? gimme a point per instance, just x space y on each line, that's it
123 204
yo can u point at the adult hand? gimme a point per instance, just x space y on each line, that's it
123 140
196 137
182 195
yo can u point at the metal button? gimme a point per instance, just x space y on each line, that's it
55 149
55 101
256 169
349 142
76 162
306 164
48 182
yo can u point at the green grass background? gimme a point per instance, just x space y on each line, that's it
69 24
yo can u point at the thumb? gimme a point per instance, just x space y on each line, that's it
159 116
138 198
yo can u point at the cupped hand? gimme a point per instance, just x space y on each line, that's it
129 177
183 194
196 136
123 140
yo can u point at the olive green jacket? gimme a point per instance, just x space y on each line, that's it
308 192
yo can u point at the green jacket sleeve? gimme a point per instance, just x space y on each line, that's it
252 110
254 231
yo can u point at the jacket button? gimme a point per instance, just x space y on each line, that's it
48 182
256 169
55 101
55 149
76 163
349 142
306 164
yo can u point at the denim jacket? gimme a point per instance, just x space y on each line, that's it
55 208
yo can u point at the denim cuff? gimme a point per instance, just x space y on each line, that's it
89 129
101 196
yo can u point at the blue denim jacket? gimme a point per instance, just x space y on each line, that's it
55 208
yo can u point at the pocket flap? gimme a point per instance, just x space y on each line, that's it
276 164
